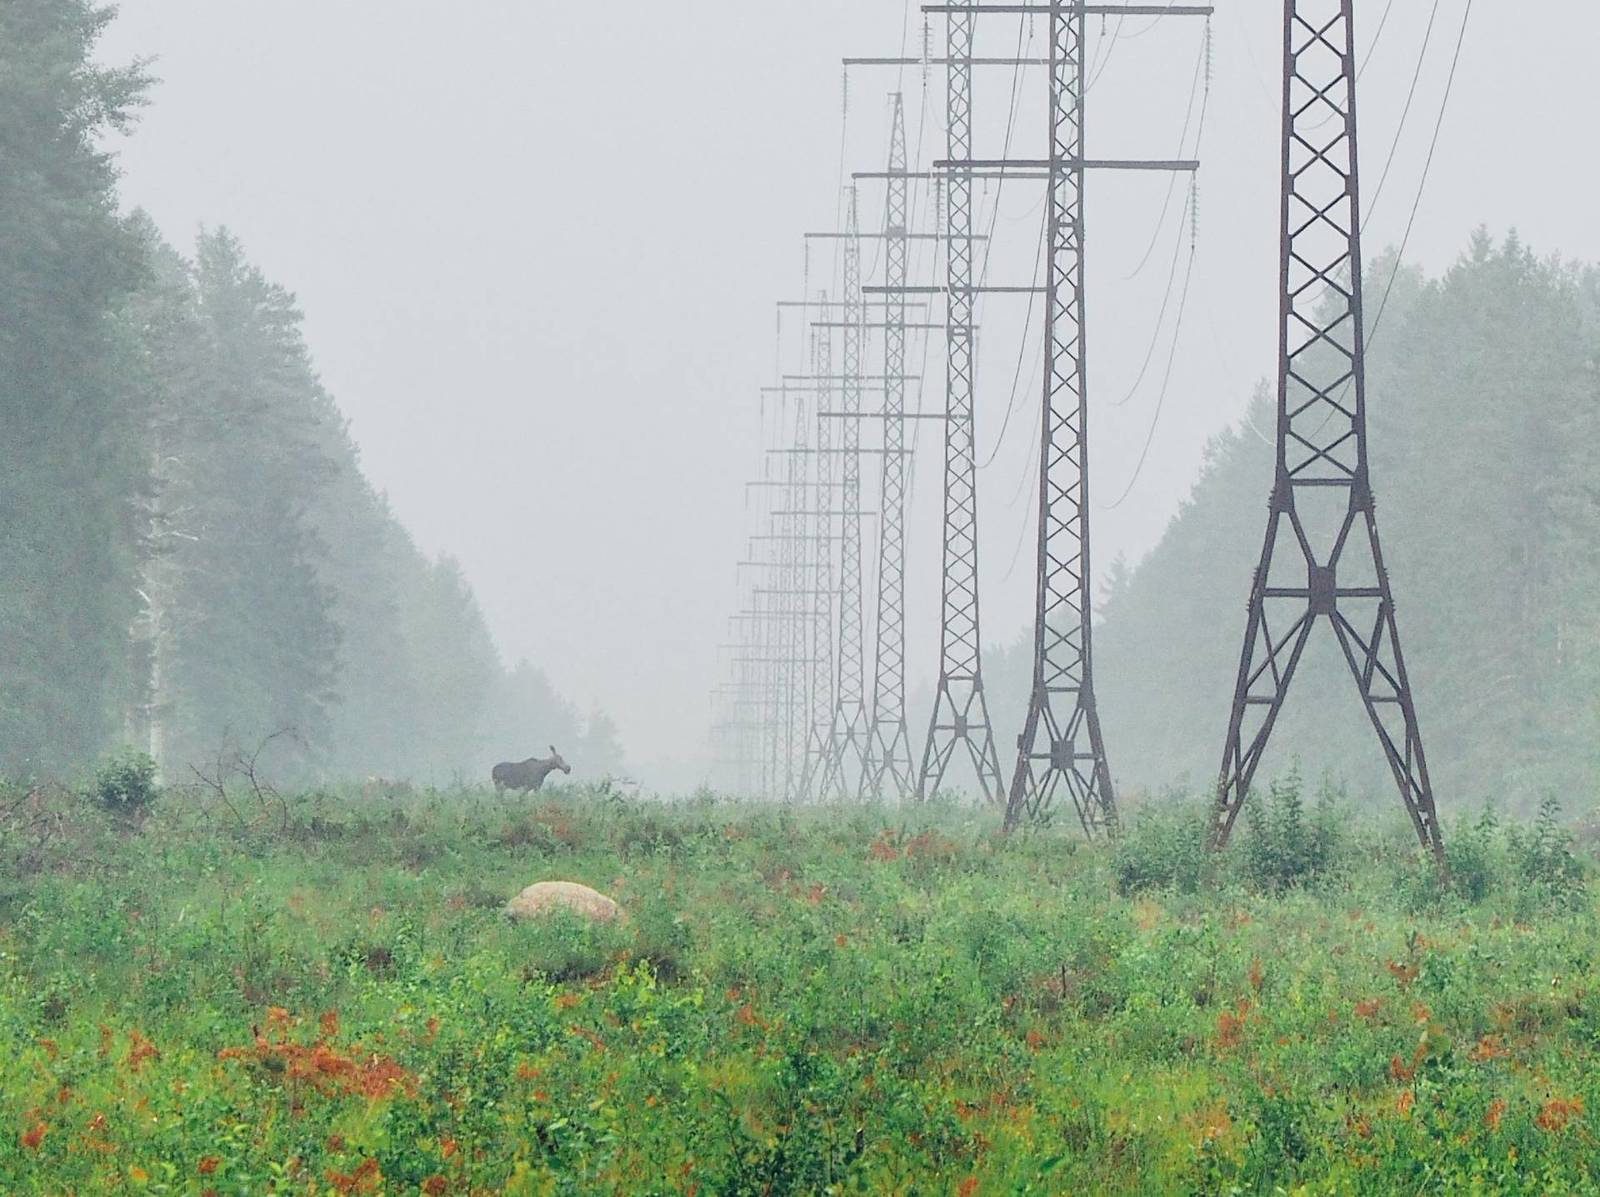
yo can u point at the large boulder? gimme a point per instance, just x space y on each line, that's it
547 897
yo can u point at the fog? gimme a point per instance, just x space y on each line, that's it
538 249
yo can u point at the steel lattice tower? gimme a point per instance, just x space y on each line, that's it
791 617
849 747
1322 556
819 745
1061 746
889 760
960 711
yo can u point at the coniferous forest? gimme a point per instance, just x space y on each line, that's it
1496 569
191 559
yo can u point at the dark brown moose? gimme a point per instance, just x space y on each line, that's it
523 776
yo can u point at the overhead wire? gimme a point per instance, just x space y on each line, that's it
1016 379
1372 47
1172 180
1161 397
1410 225
1427 167
1371 334
1405 113
1097 67
1022 348
1376 37
1193 207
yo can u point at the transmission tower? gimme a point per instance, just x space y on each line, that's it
1061 746
819 742
889 745
1322 557
792 618
960 711
849 748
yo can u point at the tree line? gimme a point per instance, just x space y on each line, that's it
1484 413
191 559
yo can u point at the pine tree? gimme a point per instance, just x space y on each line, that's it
252 640
70 463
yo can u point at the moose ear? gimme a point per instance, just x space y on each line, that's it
553 751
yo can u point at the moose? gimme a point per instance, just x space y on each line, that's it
523 776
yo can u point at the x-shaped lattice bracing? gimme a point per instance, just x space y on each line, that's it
1322 450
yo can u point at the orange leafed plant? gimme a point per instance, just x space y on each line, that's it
140 1049
1488 1048
1400 1070
322 1066
1557 1113
1209 1123
930 845
1403 973
1230 1025
1496 1111
367 1178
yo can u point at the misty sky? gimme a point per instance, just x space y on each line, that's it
538 248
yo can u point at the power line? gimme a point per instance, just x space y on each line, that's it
1172 181
1022 352
1161 398
1394 146
1427 166
1376 37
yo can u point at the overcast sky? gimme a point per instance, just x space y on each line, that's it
538 247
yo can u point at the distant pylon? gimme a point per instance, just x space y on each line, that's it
792 618
1061 746
819 743
960 711
851 729
889 762
1322 557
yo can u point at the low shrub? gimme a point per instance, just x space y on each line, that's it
1286 847
1541 859
126 784
1165 847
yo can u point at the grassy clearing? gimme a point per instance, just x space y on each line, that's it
322 996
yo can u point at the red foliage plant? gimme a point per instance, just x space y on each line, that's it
322 1067
1557 1113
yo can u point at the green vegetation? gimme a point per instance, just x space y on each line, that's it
127 784
320 994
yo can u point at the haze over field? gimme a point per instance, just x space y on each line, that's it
537 249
